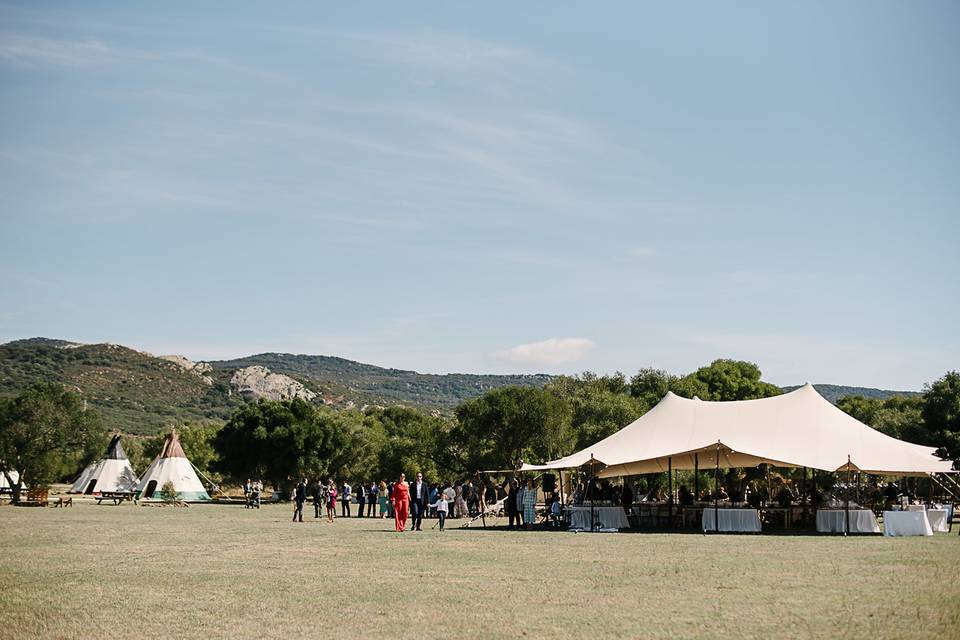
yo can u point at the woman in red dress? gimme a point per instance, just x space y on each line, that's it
401 501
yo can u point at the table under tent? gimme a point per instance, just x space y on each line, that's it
799 430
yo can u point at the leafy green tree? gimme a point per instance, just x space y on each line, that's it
280 441
732 380
940 408
597 406
45 433
411 441
359 458
897 416
650 385
507 424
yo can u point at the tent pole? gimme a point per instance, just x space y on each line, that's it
560 472
696 477
804 496
846 502
716 492
590 489
670 483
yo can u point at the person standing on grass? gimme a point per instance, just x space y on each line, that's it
390 508
511 504
459 504
418 501
372 498
361 498
345 492
257 492
246 493
299 497
316 492
441 506
449 494
400 500
518 502
331 500
530 504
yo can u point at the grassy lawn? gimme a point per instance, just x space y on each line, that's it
226 572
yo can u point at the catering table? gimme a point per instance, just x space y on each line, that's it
916 507
861 521
731 520
938 520
608 517
906 523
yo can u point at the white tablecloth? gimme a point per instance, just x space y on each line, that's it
906 523
916 507
938 520
732 520
608 517
861 521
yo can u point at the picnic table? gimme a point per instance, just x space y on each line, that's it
116 496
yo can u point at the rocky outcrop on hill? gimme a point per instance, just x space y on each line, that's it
198 368
258 382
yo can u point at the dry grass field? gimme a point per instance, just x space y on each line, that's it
226 572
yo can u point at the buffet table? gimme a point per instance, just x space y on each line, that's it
731 520
607 517
906 523
833 521
938 520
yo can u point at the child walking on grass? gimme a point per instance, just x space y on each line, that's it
441 506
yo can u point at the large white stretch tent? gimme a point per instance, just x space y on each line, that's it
796 429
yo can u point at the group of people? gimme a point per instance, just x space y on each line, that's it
408 503
251 494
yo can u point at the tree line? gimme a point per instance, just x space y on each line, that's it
47 434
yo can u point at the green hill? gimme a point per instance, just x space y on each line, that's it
834 392
134 391
338 379
139 393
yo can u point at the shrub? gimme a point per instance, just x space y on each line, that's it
168 493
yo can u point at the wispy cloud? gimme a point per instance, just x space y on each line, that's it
550 353
31 51
433 50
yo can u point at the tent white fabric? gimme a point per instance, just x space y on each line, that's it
5 486
171 466
796 429
112 473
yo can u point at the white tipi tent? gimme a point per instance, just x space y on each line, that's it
112 473
171 466
4 485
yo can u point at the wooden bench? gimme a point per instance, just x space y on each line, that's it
116 496
35 497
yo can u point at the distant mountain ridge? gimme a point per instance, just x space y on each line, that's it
833 392
138 392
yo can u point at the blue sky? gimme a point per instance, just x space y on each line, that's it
487 188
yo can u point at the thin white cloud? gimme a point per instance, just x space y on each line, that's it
429 50
551 352
35 51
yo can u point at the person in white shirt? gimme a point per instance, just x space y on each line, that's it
441 506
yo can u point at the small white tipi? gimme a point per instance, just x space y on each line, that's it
5 486
113 473
171 466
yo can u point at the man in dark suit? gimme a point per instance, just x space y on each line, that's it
419 492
